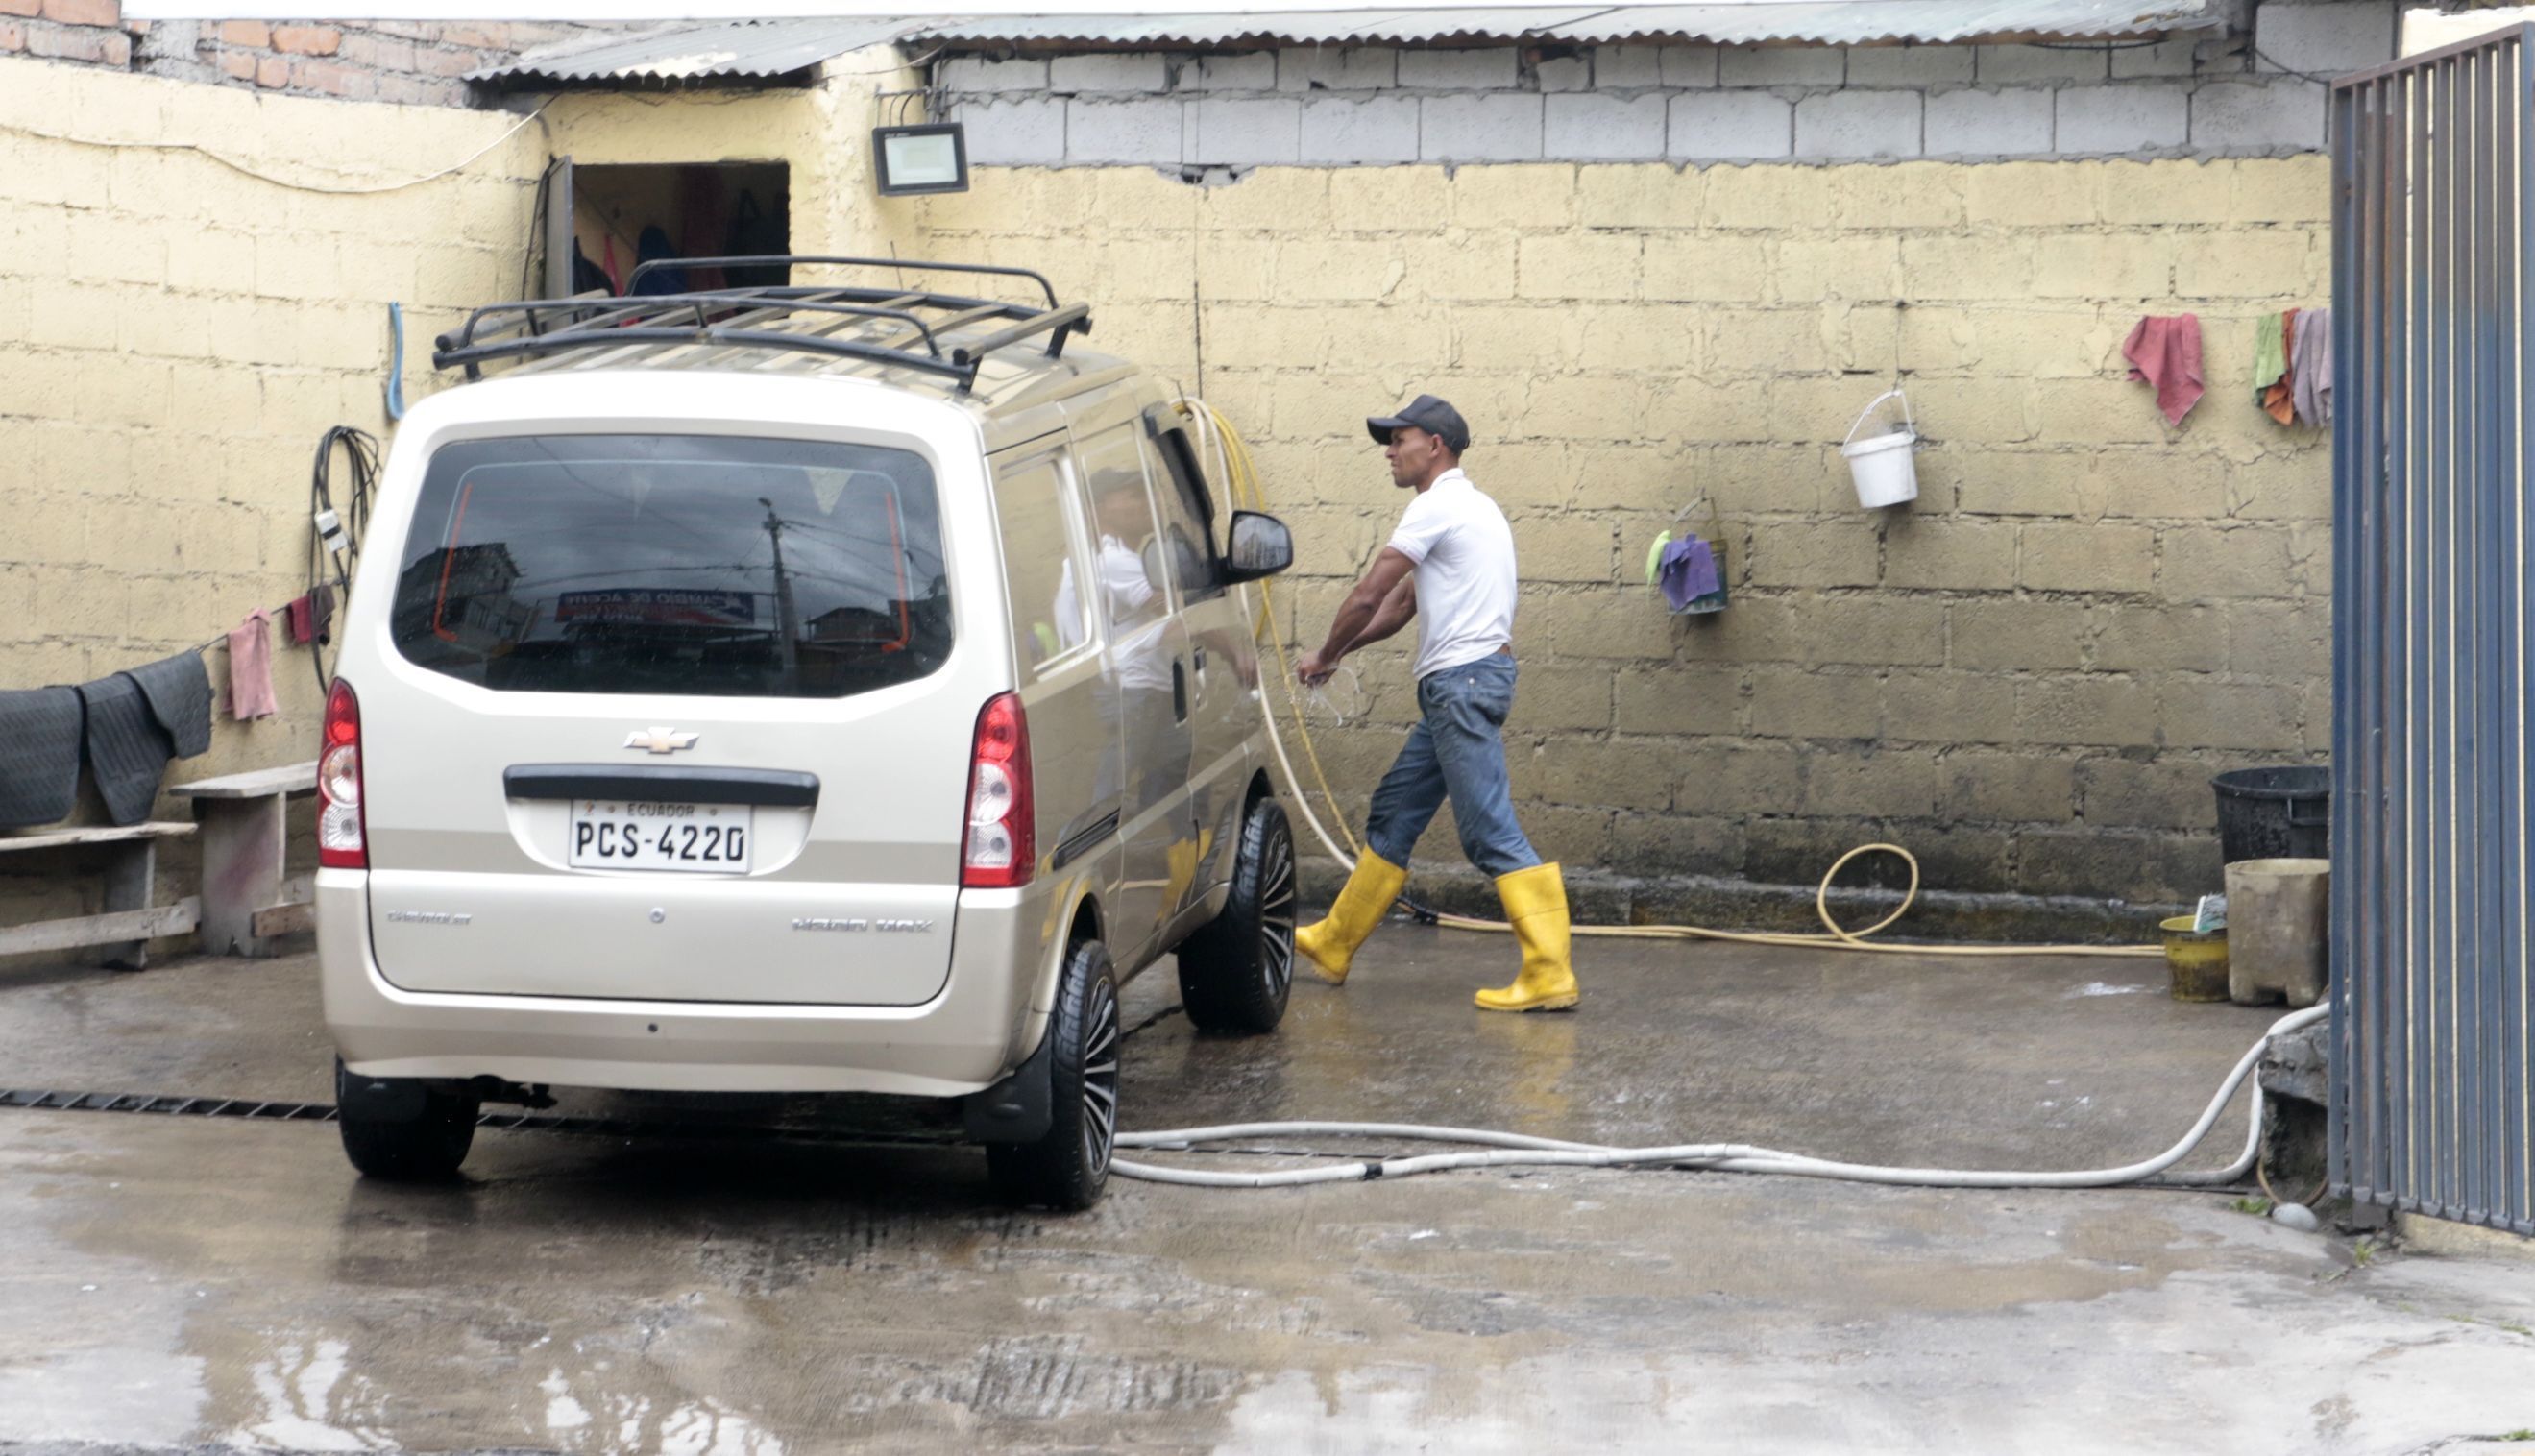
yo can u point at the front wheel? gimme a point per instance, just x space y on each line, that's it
1237 970
1068 1169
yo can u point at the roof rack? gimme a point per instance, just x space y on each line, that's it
794 317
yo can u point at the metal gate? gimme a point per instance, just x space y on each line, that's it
2433 182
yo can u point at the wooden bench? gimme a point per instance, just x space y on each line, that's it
129 921
247 903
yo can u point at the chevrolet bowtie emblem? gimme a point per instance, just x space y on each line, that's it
660 741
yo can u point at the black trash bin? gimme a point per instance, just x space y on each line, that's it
2275 814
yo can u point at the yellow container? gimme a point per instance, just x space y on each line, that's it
2197 959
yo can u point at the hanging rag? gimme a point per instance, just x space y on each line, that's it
2165 352
127 749
251 668
2310 366
312 616
656 247
587 276
2271 354
39 756
179 693
1654 555
607 260
1687 573
2275 395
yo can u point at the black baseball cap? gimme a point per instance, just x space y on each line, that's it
1429 414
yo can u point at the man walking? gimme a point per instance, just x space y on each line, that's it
1451 566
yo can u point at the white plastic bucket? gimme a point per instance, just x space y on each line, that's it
1882 467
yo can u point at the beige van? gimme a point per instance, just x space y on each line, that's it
829 688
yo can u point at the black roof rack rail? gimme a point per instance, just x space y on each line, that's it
723 316
787 259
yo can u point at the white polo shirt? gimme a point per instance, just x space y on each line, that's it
1465 575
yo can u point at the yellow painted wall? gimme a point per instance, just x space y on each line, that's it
2027 677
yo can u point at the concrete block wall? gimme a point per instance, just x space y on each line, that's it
2202 94
411 62
2026 677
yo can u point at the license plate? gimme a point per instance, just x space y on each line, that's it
644 834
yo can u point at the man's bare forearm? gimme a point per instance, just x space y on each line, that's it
1355 617
1397 612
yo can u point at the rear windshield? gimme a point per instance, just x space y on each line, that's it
675 564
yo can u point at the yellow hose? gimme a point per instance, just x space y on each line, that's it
1242 479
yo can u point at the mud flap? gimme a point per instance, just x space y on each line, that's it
1019 1108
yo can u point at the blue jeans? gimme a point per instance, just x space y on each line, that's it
1457 751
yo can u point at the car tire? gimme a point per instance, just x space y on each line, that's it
1237 970
1068 1169
423 1149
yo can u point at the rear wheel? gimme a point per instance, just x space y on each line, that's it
426 1148
1066 1169
1236 971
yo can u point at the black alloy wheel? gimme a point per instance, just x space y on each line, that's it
1237 970
1068 1169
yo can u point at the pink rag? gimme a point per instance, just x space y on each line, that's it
251 668
2166 354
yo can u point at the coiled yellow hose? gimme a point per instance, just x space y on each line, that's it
1241 476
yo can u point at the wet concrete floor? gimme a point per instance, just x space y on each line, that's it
178 1284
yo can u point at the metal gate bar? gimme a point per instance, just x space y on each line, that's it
2433 180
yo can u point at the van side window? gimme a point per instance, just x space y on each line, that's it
1122 515
1049 617
1179 493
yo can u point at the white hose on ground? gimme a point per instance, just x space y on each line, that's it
1516 1150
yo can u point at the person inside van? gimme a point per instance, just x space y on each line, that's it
1449 565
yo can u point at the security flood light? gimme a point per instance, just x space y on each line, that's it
913 159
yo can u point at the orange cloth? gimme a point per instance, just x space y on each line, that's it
2275 392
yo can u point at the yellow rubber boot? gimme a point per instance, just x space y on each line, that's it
1535 901
1331 943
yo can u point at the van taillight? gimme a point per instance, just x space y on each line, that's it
342 837
1000 850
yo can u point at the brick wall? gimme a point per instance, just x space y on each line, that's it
2027 677
413 62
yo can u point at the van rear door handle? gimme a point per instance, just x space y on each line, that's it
1197 656
1179 691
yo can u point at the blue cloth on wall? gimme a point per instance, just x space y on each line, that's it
1687 572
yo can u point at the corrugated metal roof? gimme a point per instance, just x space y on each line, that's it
1823 22
745 50
768 50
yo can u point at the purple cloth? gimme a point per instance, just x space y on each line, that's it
1687 572
2310 366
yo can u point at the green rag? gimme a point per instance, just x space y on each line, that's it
2271 354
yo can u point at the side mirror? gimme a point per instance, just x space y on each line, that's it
1155 575
1261 546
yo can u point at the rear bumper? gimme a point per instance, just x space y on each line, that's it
962 1041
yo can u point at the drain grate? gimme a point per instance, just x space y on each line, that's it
268 1111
